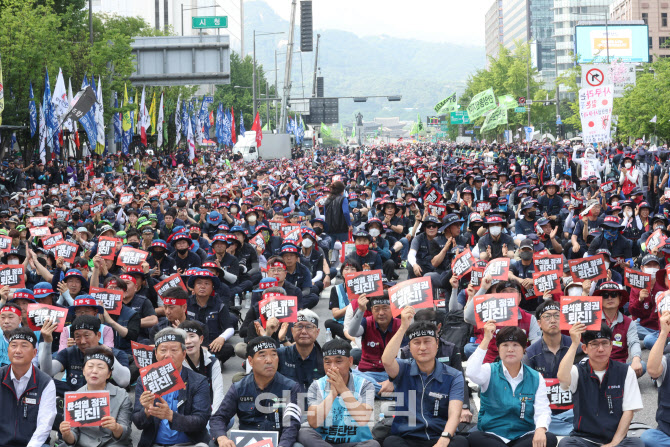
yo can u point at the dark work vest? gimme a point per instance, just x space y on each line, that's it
373 345
620 340
663 410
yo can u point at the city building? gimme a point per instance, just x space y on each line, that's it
655 14
494 29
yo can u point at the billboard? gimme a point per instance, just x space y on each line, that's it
625 43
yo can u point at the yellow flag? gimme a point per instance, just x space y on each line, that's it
137 115
126 115
152 114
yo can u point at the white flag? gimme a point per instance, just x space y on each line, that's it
143 120
59 97
177 119
191 142
68 123
653 120
43 135
100 120
159 124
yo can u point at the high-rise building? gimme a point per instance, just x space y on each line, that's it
494 29
515 22
655 14
541 25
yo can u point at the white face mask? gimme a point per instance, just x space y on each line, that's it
575 291
307 243
252 219
629 213
628 165
13 261
374 232
650 270
495 231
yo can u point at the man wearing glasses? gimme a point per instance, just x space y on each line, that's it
605 392
546 354
302 361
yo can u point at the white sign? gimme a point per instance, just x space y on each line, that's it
595 111
619 75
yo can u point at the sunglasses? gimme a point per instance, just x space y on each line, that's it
431 227
606 295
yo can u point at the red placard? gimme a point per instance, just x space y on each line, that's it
547 282
581 309
111 300
51 240
498 269
258 241
288 228
607 186
293 236
462 263
131 257
5 244
417 292
142 354
367 282
67 250
559 399
284 308
477 273
12 276
655 241
173 280
500 307
482 205
34 202
437 209
97 207
592 268
86 409
432 196
348 248
246 192
636 279
39 231
38 313
161 378
125 199
107 246
547 263
39 221
96 184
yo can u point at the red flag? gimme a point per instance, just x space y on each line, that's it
257 128
143 135
233 135
76 139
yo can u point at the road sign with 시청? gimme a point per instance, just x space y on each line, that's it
210 22
520 110
460 118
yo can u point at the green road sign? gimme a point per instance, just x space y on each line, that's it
460 118
444 127
210 22
520 110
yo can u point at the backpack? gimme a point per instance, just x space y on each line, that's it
456 330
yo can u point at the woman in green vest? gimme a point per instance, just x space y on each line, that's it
514 409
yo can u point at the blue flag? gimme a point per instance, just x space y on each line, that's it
184 119
227 137
204 113
32 109
219 124
301 132
50 117
118 130
88 121
242 130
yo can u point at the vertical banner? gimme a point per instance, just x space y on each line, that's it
595 111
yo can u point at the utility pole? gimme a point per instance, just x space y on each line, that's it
287 72
165 15
267 105
90 20
316 60
528 85
157 13
276 93
242 30
253 79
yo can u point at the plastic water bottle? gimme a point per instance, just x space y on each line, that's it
381 417
329 335
237 300
247 300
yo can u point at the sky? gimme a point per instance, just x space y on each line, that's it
428 20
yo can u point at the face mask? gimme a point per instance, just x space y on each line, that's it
610 235
159 254
650 270
134 244
629 213
607 265
374 232
532 214
182 251
307 243
353 204
362 249
13 261
252 219
574 291
276 208
233 210
628 165
495 231
284 202
318 231
526 255
195 236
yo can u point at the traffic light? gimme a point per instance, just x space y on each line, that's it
306 29
319 87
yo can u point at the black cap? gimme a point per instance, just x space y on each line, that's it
604 332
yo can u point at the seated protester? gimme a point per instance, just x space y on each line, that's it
74 284
86 330
642 303
522 271
525 225
612 240
174 304
276 278
247 257
302 361
241 399
212 312
339 300
148 236
605 393
625 341
324 240
27 395
340 404
549 236
447 353
375 332
527 322
428 387
126 325
161 264
550 204
315 260
612 266
141 305
223 290
273 243
178 418
86 307
419 256
183 258
10 319
545 354
369 259
227 262
657 367
586 221
514 408
659 221
495 243
201 361
300 275
116 427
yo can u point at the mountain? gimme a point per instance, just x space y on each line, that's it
422 72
